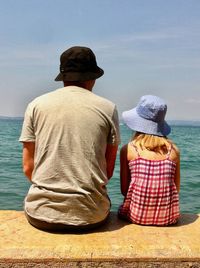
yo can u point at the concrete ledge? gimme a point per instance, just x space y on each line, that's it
117 244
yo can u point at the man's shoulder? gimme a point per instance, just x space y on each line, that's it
43 97
104 100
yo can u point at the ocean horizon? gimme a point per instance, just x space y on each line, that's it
173 122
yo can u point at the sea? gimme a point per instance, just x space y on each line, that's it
14 185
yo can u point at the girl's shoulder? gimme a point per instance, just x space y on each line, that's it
134 152
128 151
131 151
175 152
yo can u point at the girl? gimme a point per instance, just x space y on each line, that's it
149 166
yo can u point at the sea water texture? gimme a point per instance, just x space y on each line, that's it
14 185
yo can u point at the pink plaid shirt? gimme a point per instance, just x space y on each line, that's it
152 197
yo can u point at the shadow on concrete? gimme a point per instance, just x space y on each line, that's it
186 219
114 223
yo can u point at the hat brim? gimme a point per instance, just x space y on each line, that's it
79 76
140 124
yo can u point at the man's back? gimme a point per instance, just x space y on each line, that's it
71 128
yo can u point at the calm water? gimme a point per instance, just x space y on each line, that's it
13 184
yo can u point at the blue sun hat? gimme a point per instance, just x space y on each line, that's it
148 116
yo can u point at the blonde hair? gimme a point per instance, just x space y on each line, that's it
151 142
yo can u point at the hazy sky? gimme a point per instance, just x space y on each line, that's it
144 47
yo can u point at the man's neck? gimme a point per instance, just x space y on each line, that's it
88 85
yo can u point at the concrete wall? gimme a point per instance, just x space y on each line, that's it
117 244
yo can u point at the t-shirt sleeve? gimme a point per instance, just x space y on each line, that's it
114 137
27 133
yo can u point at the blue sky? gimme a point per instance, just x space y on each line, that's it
144 47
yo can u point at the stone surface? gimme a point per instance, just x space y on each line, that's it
116 244
99 264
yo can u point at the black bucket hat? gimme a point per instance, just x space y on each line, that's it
78 64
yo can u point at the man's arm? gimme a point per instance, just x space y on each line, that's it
111 153
28 158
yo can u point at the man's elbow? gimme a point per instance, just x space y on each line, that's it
109 174
28 171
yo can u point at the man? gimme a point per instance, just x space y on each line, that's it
70 138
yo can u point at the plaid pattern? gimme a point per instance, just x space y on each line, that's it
152 197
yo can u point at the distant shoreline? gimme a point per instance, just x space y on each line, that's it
184 123
181 123
171 122
11 117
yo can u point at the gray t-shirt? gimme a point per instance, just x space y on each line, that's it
71 128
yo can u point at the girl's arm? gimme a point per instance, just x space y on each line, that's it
124 170
177 174
175 156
